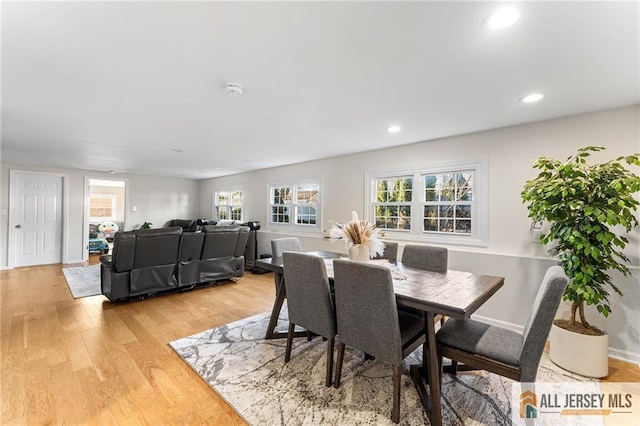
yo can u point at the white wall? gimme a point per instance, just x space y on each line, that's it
510 153
157 199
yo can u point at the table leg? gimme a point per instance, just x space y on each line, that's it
281 294
431 402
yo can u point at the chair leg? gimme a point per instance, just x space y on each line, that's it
287 353
336 382
395 414
440 368
330 346
309 337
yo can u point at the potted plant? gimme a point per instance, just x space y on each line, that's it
584 205
360 236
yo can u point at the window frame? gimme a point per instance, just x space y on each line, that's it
293 206
229 206
479 210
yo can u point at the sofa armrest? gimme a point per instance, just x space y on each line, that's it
105 260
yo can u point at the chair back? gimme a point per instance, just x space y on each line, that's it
390 251
540 320
309 300
280 245
366 309
425 257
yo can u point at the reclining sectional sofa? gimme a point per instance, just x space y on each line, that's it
147 262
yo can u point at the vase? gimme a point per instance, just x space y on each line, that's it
359 253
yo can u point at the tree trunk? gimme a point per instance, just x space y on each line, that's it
585 324
574 308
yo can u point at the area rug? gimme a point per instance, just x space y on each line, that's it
250 374
83 281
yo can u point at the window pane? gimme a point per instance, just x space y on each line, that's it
306 215
463 211
463 226
394 190
221 213
280 214
236 213
281 195
307 194
222 198
236 198
447 197
445 225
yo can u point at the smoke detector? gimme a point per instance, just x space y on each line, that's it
233 89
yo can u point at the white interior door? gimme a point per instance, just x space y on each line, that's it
37 219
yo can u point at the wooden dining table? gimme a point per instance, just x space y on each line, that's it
454 294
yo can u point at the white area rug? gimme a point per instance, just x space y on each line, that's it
250 374
83 281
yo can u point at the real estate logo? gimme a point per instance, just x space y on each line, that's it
528 405
575 403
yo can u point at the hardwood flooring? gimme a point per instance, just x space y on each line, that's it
87 361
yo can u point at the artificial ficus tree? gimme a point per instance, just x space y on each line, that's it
583 204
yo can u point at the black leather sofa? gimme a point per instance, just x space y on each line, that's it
147 262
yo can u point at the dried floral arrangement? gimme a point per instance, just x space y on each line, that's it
356 232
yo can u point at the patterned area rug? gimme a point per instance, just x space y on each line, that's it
250 374
83 281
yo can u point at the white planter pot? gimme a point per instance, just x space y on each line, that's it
579 353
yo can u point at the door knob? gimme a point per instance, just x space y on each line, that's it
18 226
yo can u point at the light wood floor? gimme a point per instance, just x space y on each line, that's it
86 361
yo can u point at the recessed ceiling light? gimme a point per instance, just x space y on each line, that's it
502 18
393 129
534 97
233 89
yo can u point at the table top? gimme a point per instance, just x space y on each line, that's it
452 293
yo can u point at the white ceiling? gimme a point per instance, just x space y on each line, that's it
121 85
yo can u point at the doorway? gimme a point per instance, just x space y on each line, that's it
36 221
105 213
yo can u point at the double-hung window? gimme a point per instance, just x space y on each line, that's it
295 204
228 205
442 203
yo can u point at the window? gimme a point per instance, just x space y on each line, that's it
448 202
441 203
228 205
294 204
102 207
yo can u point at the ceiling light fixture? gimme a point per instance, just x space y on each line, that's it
534 97
233 89
502 18
393 129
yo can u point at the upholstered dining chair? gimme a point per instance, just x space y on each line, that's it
280 245
309 301
501 351
369 320
428 258
390 251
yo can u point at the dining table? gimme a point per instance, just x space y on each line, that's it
454 294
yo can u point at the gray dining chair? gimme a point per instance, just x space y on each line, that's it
309 301
481 346
390 251
369 320
280 245
428 258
